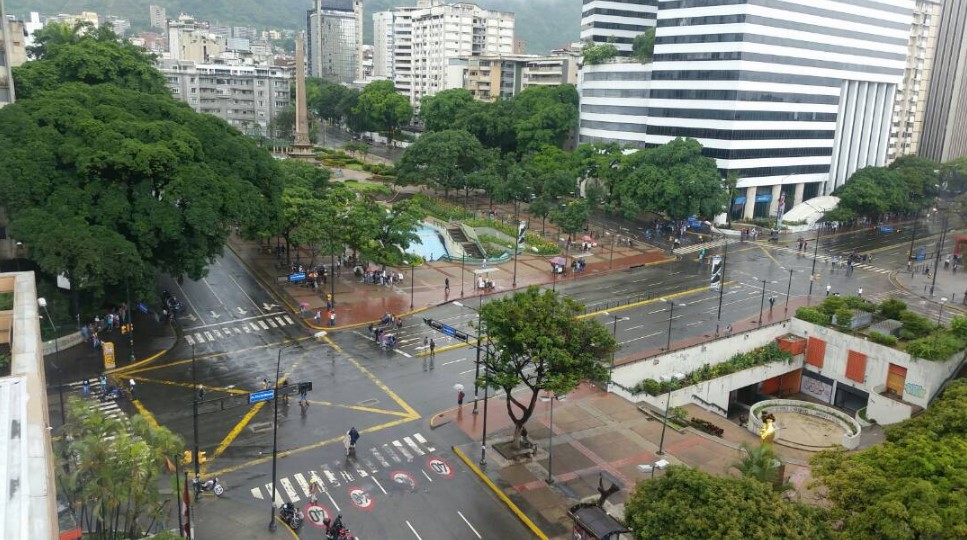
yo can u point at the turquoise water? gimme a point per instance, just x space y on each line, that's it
430 245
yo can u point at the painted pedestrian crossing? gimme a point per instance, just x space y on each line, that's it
237 328
695 248
829 259
329 480
93 400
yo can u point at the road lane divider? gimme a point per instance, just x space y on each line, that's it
500 495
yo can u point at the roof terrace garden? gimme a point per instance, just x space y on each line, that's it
916 335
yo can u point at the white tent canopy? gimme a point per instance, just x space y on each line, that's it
809 212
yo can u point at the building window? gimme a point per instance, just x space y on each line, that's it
856 366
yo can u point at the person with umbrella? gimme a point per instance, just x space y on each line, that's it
350 440
460 394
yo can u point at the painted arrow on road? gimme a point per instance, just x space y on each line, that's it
241 311
190 317
269 307
214 315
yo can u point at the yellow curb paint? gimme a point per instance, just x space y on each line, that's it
308 447
145 413
363 409
234 433
501 495
180 384
128 368
286 527
767 254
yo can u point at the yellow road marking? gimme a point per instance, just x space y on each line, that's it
375 380
501 495
588 315
235 391
145 413
218 355
308 447
767 254
234 433
126 369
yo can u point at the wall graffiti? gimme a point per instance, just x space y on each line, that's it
915 390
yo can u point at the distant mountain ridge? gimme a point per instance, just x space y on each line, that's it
542 24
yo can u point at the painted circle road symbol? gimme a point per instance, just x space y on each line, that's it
361 499
405 480
315 514
439 466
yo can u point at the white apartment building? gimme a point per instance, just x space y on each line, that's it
334 33
911 102
243 96
383 44
617 20
426 38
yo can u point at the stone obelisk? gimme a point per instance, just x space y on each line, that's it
301 146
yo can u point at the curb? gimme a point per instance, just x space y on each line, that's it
500 494
899 284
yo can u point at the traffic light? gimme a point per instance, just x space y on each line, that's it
715 283
521 232
186 458
125 328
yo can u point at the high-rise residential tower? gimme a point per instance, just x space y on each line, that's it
945 121
334 31
383 44
617 21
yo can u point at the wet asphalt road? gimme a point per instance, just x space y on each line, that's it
396 487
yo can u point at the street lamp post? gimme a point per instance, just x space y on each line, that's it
517 239
936 263
668 400
614 239
916 221
463 263
762 302
42 302
194 413
483 443
476 375
130 314
940 313
412 274
275 433
725 258
788 290
614 334
550 446
812 275
332 274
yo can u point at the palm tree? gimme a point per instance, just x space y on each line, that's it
761 463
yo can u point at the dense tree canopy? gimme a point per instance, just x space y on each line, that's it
912 486
871 192
443 159
538 343
598 53
688 503
643 47
382 108
107 182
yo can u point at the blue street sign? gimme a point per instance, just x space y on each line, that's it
143 308
264 395
301 276
448 330
884 228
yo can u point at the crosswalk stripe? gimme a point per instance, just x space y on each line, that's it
209 336
287 319
392 455
271 323
303 483
199 338
189 339
379 457
314 478
247 329
217 333
263 325
698 247
413 445
289 489
400 449
280 321
370 465
278 494
238 331
346 476
423 441
255 326
257 493
330 477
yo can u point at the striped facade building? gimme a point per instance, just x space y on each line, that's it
617 20
791 96
945 118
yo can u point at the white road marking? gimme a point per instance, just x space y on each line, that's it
314 478
205 281
333 501
245 293
287 319
263 325
391 454
238 331
254 326
209 336
247 329
257 493
370 465
379 457
303 483
347 477
380 486
404 354
192 306
217 333
199 338
271 323
656 311
418 537
451 361
634 327
468 371
233 321
426 475
331 477
640 337
280 321
289 489
468 524
189 339
420 439
413 445
278 494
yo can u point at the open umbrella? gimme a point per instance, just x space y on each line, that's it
458 387
304 305
558 261
587 238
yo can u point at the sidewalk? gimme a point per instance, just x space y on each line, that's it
359 303
947 285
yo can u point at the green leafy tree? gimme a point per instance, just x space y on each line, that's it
910 487
598 53
88 55
115 469
689 503
872 191
106 182
539 344
442 159
544 115
761 463
571 216
382 108
953 175
921 177
446 109
643 47
673 179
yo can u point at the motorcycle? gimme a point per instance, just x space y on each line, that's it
292 516
211 484
336 530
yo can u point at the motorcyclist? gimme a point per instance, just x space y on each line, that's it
335 528
286 511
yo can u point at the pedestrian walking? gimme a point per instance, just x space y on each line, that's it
859 292
352 436
460 396
772 303
131 387
829 288
332 317
103 382
728 331
265 383
86 388
318 317
910 266
432 348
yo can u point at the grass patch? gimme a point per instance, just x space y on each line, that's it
441 210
